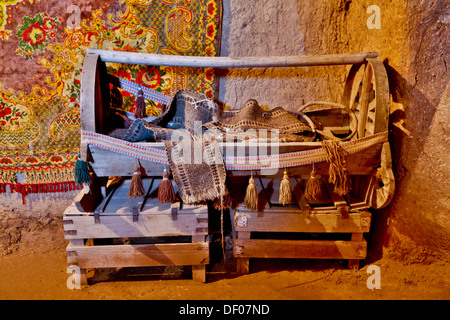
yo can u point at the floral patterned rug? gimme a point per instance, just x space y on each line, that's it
43 44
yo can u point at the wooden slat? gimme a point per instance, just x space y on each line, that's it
155 225
121 205
317 207
163 254
292 222
308 249
107 163
230 62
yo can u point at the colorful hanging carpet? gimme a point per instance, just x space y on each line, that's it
43 44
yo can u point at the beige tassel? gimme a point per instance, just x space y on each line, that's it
166 193
285 190
251 197
136 187
312 190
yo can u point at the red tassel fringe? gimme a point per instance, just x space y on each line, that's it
25 189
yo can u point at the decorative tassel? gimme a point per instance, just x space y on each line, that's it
136 186
312 190
166 193
338 173
81 172
140 105
285 190
251 196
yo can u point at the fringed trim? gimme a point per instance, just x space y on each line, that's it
206 195
25 189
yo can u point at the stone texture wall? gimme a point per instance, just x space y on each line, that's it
413 42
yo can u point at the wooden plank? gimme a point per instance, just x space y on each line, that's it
107 163
147 194
87 93
119 226
338 130
244 234
308 249
120 204
110 195
230 62
355 207
161 254
292 222
357 236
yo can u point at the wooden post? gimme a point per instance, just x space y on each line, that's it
80 277
243 264
354 263
199 271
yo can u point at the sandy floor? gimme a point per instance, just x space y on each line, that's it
33 266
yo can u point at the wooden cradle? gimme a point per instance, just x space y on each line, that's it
366 93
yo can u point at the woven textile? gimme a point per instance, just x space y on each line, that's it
185 108
251 116
251 120
43 44
197 168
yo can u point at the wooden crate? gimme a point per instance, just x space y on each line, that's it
134 233
366 96
300 230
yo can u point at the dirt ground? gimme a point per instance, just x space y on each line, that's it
33 266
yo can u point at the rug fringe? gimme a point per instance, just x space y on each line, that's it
26 189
